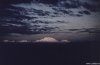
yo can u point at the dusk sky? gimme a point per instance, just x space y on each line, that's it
75 20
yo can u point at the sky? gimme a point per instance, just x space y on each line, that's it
66 18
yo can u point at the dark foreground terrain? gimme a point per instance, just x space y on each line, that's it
49 54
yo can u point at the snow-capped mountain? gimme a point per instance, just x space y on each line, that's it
42 16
